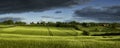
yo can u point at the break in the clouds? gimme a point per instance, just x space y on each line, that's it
15 6
10 18
99 14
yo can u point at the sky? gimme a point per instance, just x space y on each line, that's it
60 10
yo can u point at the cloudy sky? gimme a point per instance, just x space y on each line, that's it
60 10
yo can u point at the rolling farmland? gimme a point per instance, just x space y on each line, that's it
40 37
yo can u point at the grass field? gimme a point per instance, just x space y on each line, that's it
40 37
42 31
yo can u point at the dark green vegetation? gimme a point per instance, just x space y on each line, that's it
59 35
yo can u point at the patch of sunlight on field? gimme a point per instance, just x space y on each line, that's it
25 30
56 31
9 29
61 31
92 33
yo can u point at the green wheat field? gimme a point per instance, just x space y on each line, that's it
56 37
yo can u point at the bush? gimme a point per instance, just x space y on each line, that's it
107 34
86 33
76 27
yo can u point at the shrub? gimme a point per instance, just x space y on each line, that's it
86 33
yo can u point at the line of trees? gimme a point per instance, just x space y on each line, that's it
11 22
62 24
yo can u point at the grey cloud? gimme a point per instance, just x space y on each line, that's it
10 18
15 6
58 12
58 18
103 14
51 17
47 17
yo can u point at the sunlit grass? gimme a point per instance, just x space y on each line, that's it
63 37
31 41
56 31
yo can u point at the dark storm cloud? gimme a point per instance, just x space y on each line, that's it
102 14
10 18
14 6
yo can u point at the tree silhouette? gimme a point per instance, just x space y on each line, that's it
8 22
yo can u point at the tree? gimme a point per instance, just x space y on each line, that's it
32 23
85 24
114 25
38 22
58 24
43 23
8 22
20 23
51 24
74 23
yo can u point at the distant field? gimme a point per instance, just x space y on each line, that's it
40 37
43 31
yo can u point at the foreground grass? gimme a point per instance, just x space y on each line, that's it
30 41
